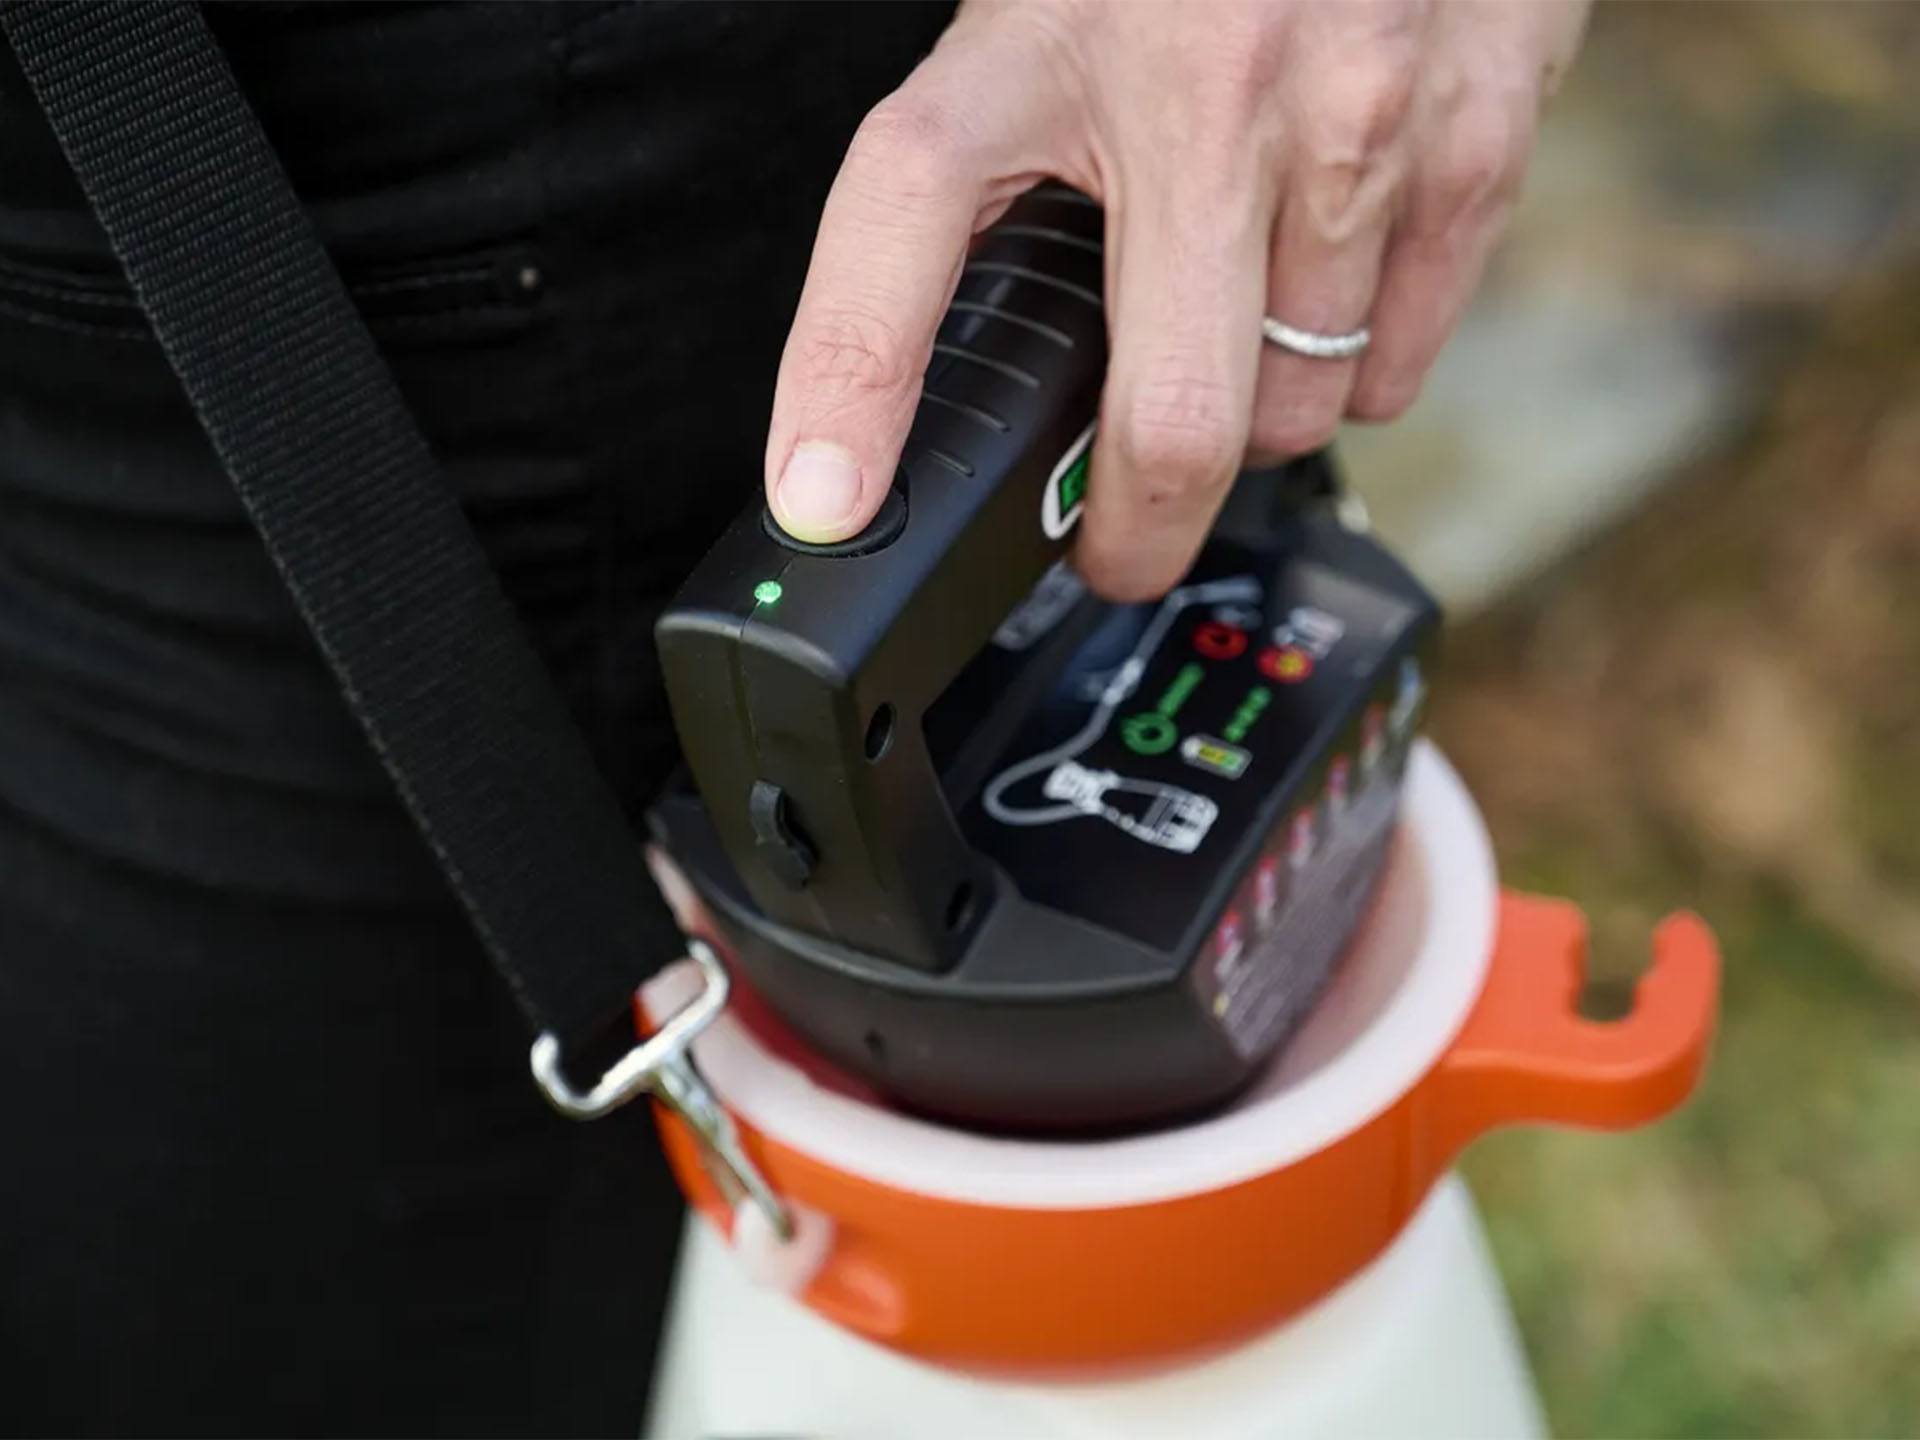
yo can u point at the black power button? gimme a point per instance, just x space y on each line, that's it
882 531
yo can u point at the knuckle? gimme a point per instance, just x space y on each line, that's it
1363 111
1481 158
1223 92
1178 436
1222 69
911 145
847 352
1348 146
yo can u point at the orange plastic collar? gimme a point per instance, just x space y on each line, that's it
1071 1290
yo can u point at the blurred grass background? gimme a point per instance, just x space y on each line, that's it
1718 706
1705 692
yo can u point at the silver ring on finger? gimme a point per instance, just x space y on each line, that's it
1311 343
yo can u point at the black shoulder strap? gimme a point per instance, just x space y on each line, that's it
339 481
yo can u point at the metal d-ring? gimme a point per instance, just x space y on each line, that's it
634 1072
662 1066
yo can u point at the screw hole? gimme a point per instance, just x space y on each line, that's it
880 732
960 907
876 1044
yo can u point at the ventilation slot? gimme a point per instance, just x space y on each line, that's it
999 367
1057 237
972 412
978 307
952 462
1021 272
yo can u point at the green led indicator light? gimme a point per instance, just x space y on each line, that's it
767 591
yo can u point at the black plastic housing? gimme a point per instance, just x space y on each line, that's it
914 865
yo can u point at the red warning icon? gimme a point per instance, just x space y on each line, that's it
1287 664
1230 942
1218 641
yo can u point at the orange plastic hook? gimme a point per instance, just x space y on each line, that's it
1527 1054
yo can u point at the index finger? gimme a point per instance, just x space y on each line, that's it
927 167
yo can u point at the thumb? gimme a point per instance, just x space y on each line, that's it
928 166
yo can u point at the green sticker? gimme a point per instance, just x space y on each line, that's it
1066 488
1073 484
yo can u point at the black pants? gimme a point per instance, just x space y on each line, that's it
269 1158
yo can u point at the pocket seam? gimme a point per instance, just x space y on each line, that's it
33 295
77 295
30 316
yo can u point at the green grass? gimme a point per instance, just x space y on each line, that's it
1718 706
1750 1266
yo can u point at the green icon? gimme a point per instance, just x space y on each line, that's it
767 591
1203 752
1149 733
1073 484
1249 711
1183 685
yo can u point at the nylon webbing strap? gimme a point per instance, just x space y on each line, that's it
339 481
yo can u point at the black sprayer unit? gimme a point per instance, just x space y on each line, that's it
1019 857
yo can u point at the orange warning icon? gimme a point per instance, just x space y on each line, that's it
1288 664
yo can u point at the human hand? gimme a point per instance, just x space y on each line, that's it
1333 163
